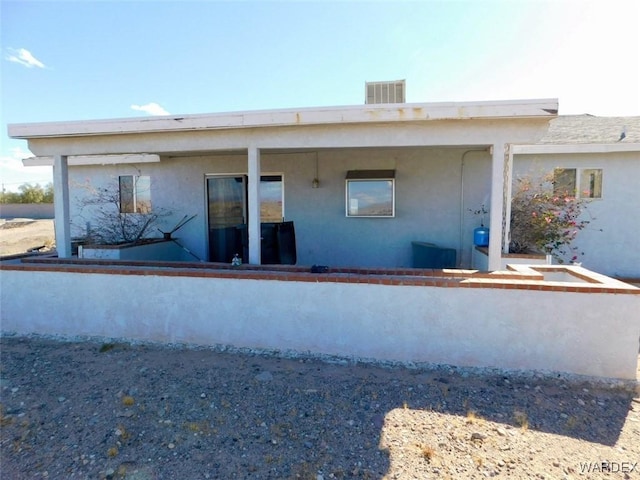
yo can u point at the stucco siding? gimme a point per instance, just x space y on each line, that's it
610 241
581 333
433 197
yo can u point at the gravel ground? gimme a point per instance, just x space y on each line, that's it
76 410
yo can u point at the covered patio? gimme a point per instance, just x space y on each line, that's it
447 159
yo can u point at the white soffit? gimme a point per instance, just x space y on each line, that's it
76 160
549 148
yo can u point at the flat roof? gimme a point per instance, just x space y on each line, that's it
370 113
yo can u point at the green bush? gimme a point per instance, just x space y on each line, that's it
29 194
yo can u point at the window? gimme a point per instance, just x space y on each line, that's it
228 195
591 183
370 193
271 198
135 194
580 182
564 181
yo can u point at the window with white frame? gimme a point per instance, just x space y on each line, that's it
591 183
370 193
271 198
135 194
578 182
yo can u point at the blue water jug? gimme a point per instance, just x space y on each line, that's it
481 237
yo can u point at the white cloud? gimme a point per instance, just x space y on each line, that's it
23 57
13 173
151 108
11 159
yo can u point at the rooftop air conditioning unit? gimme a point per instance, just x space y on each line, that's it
385 92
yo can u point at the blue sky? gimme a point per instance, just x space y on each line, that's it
114 59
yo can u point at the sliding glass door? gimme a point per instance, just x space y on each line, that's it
227 210
227 214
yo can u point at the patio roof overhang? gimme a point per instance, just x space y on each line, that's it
76 160
372 126
379 113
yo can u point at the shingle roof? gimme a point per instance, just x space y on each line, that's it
568 129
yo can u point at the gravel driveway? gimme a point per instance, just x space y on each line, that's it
93 410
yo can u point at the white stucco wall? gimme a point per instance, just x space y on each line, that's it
592 334
610 241
166 251
432 199
26 210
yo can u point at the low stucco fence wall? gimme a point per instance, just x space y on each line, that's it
506 321
150 250
36 211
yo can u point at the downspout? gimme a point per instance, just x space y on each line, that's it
461 222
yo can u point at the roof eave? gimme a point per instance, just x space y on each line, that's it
378 113
553 148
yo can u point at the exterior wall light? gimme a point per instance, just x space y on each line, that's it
315 183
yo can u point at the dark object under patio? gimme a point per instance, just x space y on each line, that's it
429 255
278 243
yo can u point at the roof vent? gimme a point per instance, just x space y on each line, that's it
385 92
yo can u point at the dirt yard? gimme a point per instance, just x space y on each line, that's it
21 235
84 410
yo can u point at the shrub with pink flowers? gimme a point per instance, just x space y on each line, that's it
545 219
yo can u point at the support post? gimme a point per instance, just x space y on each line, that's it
254 206
61 206
497 205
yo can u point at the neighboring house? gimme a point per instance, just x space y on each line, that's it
600 156
359 183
